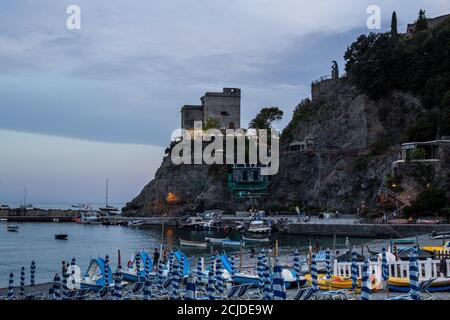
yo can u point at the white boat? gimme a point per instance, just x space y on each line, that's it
4 206
258 226
89 216
255 239
136 223
192 223
216 240
198 244
107 209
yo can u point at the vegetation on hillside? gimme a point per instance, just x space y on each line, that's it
420 64
266 117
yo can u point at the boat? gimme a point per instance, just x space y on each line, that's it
446 247
12 228
79 206
95 277
216 240
107 209
55 220
24 204
210 225
61 236
440 284
231 243
199 244
131 273
253 279
255 239
440 235
4 206
258 226
89 216
136 223
337 282
3 219
192 223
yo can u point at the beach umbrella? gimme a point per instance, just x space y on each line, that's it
32 272
73 263
314 283
171 261
190 293
159 276
279 290
175 284
106 270
366 283
65 289
219 277
267 292
22 283
297 266
137 260
212 261
57 287
211 289
181 269
118 284
199 271
147 267
354 271
328 263
414 275
384 265
260 270
11 287
147 289
233 265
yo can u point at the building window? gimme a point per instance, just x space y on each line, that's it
232 126
224 113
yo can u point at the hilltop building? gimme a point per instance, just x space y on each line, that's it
432 23
222 107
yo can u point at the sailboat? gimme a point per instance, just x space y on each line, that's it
108 210
24 204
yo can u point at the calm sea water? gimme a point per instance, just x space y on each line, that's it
35 241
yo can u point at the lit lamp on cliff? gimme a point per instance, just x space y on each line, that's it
394 186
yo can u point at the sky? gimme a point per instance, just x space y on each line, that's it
80 106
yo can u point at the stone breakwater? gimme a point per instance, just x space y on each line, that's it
39 215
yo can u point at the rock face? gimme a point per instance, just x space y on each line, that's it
356 139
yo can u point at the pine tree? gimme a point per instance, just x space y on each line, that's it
422 22
394 31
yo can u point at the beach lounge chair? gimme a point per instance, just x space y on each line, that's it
136 289
243 292
304 294
233 292
103 294
424 293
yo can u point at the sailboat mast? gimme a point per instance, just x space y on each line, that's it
106 193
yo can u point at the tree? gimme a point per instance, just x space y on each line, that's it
211 123
422 22
394 31
429 200
266 117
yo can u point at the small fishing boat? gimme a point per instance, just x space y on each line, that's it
231 243
192 223
136 223
12 228
55 220
255 239
336 282
3 219
258 226
198 244
216 240
89 216
61 236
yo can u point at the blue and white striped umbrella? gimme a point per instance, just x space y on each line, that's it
106 269
414 275
233 265
366 283
199 271
65 276
297 266
328 263
219 277
279 290
160 278
211 289
118 284
11 287
171 261
354 270
384 265
175 284
32 273
212 262
137 260
181 270
314 283
267 292
147 285
22 283
73 263
147 268
191 293
260 270
57 287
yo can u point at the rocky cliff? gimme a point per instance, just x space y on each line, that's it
356 139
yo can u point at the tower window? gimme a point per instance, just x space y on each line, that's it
224 113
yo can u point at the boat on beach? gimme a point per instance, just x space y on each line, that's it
199 244
439 284
135 273
255 239
96 277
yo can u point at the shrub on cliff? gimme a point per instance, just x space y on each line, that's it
430 200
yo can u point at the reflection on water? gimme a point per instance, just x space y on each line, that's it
35 241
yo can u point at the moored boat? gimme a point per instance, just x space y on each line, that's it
12 228
255 239
199 244
192 223
231 243
216 240
61 236
258 226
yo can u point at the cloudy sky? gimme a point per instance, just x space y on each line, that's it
78 106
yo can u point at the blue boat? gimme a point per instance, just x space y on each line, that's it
231 243
95 277
131 273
